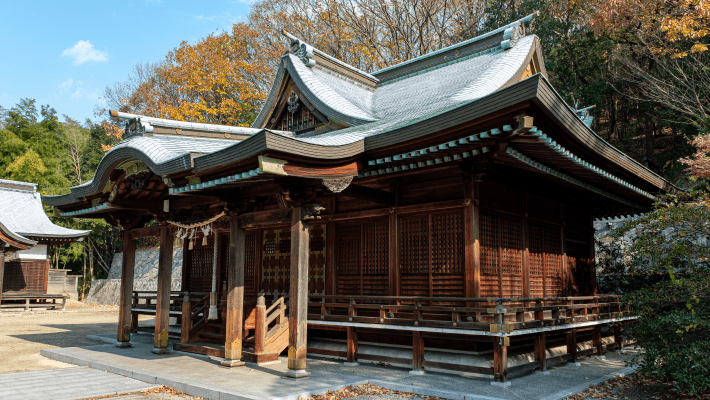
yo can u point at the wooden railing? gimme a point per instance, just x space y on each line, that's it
269 322
194 315
489 314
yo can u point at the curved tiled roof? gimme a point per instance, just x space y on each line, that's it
22 214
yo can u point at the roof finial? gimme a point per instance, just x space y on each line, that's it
300 49
515 31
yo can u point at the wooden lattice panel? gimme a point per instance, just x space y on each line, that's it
276 260
511 253
249 265
488 227
199 268
375 251
553 261
316 260
447 243
536 260
349 250
414 248
415 285
448 285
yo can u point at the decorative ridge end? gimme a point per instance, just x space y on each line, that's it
135 127
300 49
516 31
113 113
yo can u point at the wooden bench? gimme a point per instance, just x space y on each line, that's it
28 301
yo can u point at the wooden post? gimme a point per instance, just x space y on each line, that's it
618 338
572 346
298 308
597 340
392 256
134 316
352 347
260 325
235 296
417 353
2 272
186 323
125 321
541 351
162 308
500 361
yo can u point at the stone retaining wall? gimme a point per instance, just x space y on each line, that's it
107 291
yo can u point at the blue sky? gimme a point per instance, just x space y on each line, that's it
64 53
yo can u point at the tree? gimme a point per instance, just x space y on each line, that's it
673 324
217 80
76 140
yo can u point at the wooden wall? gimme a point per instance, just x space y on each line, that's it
25 277
530 245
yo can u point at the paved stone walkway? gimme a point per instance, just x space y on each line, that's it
202 376
66 384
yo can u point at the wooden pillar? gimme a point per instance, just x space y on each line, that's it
235 294
298 308
572 345
186 323
472 252
500 361
2 272
618 338
162 308
352 347
417 353
597 340
123 338
393 253
541 351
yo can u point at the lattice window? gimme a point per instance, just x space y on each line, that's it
511 246
200 268
285 246
447 243
249 255
488 226
317 244
270 247
349 249
553 261
375 248
535 248
414 250
302 118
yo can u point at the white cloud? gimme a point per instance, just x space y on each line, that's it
84 51
67 83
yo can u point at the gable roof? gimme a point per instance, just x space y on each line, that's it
22 215
395 107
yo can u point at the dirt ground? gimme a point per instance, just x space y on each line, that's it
23 335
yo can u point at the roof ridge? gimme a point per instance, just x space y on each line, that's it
509 35
8 184
305 52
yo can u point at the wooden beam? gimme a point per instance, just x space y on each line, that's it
278 216
144 205
141 233
369 194
190 202
298 308
235 294
123 338
572 345
162 310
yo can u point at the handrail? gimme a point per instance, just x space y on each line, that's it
276 303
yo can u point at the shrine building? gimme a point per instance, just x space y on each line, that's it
444 203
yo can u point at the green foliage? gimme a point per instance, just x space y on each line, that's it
672 239
674 329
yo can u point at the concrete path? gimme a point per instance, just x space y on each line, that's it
202 376
66 384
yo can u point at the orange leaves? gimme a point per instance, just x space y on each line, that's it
699 163
216 80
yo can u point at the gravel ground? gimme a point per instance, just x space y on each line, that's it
161 393
634 387
23 335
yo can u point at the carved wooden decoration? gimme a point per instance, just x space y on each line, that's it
337 185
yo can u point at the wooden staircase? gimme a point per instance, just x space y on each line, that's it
265 330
